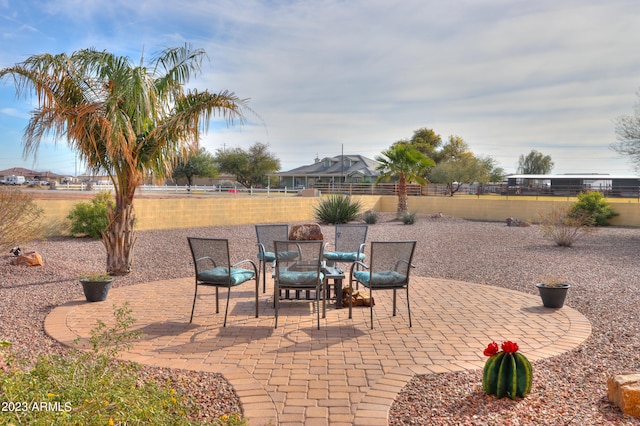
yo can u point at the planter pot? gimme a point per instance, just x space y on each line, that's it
96 291
553 297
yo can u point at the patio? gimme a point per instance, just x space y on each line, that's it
342 374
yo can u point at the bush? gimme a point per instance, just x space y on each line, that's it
90 388
336 209
593 204
408 218
90 218
19 218
370 217
563 227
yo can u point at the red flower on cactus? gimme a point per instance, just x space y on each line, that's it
491 349
510 347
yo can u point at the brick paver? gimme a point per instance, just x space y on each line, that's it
344 373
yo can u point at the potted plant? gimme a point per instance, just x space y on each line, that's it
553 291
96 286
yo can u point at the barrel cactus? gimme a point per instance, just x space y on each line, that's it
506 372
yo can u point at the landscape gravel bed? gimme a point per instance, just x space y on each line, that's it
602 268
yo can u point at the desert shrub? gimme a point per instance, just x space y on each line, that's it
370 217
336 209
593 204
408 218
562 226
92 389
19 218
90 217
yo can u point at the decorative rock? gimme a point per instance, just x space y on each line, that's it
29 259
308 231
512 221
624 391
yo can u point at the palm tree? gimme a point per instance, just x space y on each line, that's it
407 164
124 119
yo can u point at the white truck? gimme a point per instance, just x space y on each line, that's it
14 180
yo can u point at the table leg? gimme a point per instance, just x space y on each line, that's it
337 284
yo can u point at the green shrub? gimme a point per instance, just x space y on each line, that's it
370 217
90 218
336 209
19 218
89 388
408 218
594 205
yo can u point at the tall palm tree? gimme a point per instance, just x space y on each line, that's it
124 119
405 163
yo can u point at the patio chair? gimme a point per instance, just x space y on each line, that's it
267 234
348 245
214 269
388 270
300 272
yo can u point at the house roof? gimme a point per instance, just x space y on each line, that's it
332 166
21 171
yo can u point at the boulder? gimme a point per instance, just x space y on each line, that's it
29 259
308 231
512 221
624 391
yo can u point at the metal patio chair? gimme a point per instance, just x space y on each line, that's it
389 268
266 235
213 268
302 272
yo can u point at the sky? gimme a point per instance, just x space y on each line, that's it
326 77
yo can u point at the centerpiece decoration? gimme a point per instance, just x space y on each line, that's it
506 372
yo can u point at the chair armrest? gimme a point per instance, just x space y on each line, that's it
206 258
253 265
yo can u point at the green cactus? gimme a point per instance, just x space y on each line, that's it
507 373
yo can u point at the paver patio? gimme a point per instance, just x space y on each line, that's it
343 374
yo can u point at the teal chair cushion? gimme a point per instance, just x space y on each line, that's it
341 256
309 278
220 275
269 256
382 278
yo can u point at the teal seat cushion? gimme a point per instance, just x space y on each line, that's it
307 278
382 278
220 275
342 256
269 256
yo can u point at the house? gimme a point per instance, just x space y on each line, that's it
341 168
30 174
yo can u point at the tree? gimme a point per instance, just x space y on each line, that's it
627 128
250 167
201 163
535 163
124 119
405 163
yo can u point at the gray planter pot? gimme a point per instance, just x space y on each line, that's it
553 297
96 291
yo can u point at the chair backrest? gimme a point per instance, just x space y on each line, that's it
267 234
209 253
349 238
391 256
298 257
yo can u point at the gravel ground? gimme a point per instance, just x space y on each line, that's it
567 389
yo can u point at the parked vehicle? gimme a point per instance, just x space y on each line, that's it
15 180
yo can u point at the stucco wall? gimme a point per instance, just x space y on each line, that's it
185 212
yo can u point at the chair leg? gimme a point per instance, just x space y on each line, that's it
408 307
276 300
371 305
394 302
194 304
217 304
257 291
318 304
226 311
264 276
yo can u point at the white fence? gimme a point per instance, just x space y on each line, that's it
180 189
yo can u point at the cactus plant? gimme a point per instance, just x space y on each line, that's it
506 372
